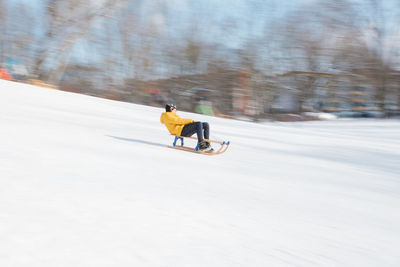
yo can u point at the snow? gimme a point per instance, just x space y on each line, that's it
86 181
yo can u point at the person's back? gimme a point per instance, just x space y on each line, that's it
173 122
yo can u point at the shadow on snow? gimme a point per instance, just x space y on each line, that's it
137 141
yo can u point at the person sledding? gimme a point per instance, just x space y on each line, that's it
186 127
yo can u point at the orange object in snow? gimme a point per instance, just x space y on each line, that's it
4 75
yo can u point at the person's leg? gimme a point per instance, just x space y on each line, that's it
206 128
192 128
189 129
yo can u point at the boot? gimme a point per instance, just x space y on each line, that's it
204 146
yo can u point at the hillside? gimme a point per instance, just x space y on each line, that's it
86 181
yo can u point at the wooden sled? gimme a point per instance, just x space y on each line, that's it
223 146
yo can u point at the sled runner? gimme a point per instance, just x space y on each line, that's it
223 146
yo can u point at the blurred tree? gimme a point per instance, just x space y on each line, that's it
3 30
192 52
365 45
66 22
335 36
379 61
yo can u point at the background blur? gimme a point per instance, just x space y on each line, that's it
245 59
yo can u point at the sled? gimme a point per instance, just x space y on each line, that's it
223 146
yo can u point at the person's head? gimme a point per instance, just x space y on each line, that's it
170 108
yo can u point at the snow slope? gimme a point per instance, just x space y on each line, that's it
86 181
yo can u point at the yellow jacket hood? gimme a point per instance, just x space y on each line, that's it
173 122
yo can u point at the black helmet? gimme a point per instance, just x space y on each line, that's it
169 107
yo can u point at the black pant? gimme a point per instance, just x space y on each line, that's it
197 127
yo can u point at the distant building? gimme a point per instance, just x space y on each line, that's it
344 95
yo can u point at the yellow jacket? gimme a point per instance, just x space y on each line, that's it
173 122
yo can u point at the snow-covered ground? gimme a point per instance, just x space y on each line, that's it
86 181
